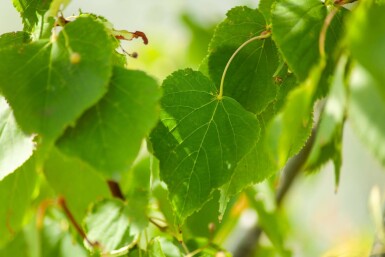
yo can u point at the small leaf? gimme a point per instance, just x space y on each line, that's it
289 130
30 10
160 246
109 225
109 135
16 191
366 109
199 140
366 38
15 146
328 140
76 181
249 79
135 185
45 90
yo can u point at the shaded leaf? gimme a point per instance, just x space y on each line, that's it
76 181
16 191
366 109
199 140
109 135
296 26
47 91
13 38
249 79
15 146
265 7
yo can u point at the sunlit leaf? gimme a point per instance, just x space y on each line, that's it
109 225
49 85
15 146
30 10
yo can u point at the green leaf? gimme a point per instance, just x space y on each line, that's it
16 191
47 91
15 146
365 105
366 38
77 182
296 26
289 130
160 246
30 10
13 38
249 79
328 141
265 7
109 135
109 225
199 140
135 185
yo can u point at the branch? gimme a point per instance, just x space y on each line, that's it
249 245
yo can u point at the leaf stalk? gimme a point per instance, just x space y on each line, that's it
263 35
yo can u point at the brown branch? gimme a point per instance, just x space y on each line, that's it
249 245
61 201
115 189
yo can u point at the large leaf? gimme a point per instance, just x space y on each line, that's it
199 140
30 10
15 146
366 37
296 26
49 85
16 191
109 225
76 181
249 79
366 109
108 136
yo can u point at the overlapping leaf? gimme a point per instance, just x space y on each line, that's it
108 136
15 146
47 86
16 191
76 181
199 140
366 111
296 28
109 225
249 78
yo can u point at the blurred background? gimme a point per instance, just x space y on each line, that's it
321 222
